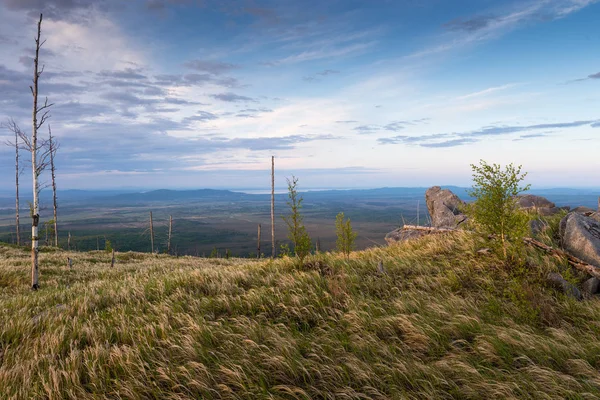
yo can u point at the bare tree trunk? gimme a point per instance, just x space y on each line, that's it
17 187
46 241
318 245
273 206
69 242
418 206
112 260
12 126
258 243
151 234
35 212
170 232
52 149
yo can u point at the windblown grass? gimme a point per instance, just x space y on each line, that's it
442 322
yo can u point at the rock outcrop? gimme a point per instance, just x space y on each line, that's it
583 210
400 235
580 236
539 204
444 208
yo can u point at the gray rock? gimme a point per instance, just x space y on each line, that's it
537 226
583 210
558 282
533 201
400 235
591 286
538 204
545 211
443 207
580 236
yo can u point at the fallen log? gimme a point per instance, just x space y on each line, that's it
572 260
427 229
577 263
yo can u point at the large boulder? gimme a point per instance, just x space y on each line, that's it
444 208
539 204
580 236
401 235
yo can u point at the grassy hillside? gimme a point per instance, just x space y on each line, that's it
443 322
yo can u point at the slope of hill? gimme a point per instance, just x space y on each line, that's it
442 321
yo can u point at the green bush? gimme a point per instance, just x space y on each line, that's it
345 235
108 246
296 230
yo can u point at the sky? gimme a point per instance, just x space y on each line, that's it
344 93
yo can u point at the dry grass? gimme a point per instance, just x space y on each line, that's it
443 322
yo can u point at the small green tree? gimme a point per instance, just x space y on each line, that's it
214 253
495 210
108 246
296 230
345 235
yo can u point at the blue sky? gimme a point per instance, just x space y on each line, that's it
344 93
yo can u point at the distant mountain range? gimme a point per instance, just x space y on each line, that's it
561 196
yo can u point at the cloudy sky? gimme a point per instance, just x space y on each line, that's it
344 93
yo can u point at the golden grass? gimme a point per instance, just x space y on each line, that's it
442 322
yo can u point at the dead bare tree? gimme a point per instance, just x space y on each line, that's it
151 234
273 206
12 126
258 243
52 148
40 153
170 232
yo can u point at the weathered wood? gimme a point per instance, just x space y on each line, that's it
170 231
112 260
69 242
52 149
273 206
572 260
428 229
69 263
151 234
35 212
258 243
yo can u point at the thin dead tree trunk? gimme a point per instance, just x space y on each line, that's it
170 232
53 147
69 242
12 126
151 234
112 260
258 243
273 206
37 164
18 226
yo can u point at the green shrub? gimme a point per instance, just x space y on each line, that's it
108 246
345 235
296 230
